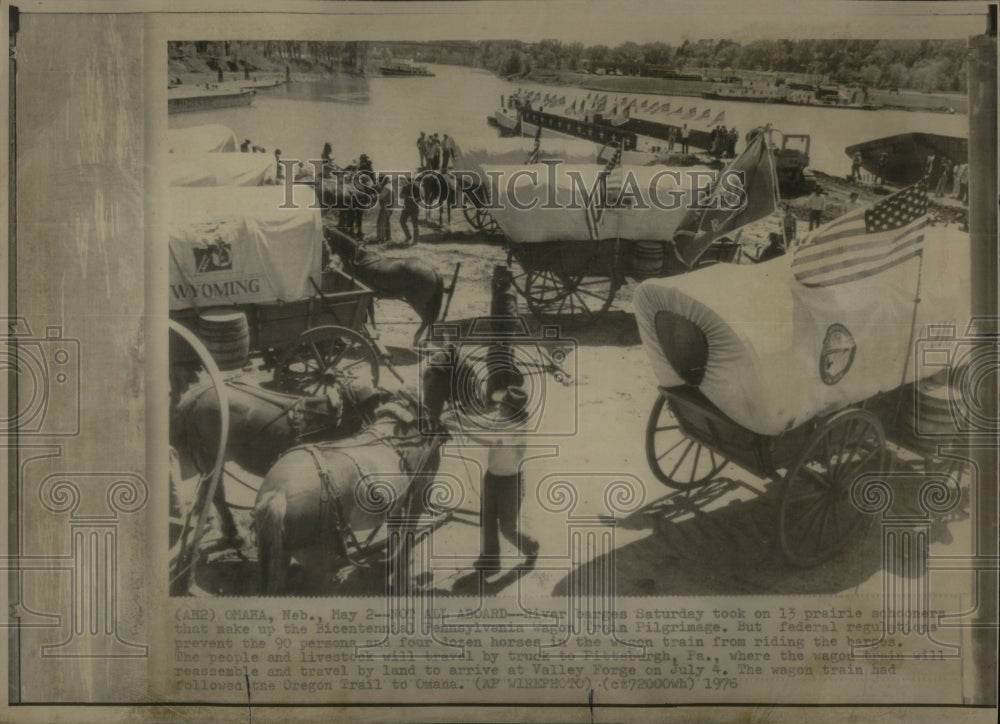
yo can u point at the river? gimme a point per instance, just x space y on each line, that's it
382 117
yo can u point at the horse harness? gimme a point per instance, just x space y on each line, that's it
330 501
296 410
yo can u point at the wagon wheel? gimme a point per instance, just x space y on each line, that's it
561 297
481 220
676 460
817 517
321 356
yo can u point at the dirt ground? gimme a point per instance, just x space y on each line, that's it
720 539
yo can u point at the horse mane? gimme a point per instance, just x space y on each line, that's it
402 409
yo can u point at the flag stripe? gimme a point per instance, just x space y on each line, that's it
848 264
868 262
864 243
832 281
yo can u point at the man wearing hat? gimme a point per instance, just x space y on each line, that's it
503 487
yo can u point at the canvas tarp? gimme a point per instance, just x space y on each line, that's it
233 245
473 156
202 139
665 195
772 341
221 169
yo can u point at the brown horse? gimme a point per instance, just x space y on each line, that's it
262 425
414 281
323 503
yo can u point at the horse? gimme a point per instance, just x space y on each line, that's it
437 190
325 502
410 280
262 425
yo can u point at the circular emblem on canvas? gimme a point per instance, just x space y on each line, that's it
837 355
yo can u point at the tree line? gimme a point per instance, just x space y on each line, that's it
928 65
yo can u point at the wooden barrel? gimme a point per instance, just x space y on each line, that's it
226 335
647 258
930 419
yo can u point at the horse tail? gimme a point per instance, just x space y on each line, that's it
432 311
434 306
272 559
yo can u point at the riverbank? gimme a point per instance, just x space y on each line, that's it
908 100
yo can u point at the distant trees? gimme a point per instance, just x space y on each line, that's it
922 64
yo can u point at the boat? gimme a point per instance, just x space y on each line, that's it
505 120
205 99
402 70
906 154
794 94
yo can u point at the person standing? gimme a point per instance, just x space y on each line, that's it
817 205
963 184
367 171
685 136
327 159
955 175
856 166
883 162
789 225
944 177
671 139
411 211
434 152
383 229
446 152
503 483
422 150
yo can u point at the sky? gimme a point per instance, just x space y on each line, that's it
609 22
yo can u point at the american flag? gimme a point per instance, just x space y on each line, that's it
865 242
533 156
595 204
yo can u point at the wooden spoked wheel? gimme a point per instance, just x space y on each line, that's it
817 516
481 220
323 356
676 460
568 298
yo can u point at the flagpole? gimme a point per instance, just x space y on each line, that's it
909 344
774 184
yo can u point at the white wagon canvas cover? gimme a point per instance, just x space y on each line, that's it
221 169
666 193
780 353
233 245
208 138
473 155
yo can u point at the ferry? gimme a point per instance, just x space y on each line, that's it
403 70
205 99
796 94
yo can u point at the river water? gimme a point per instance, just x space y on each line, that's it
382 117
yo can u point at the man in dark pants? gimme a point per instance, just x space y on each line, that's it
503 484
411 211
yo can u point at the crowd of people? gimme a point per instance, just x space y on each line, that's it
948 179
724 142
350 218
435 153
